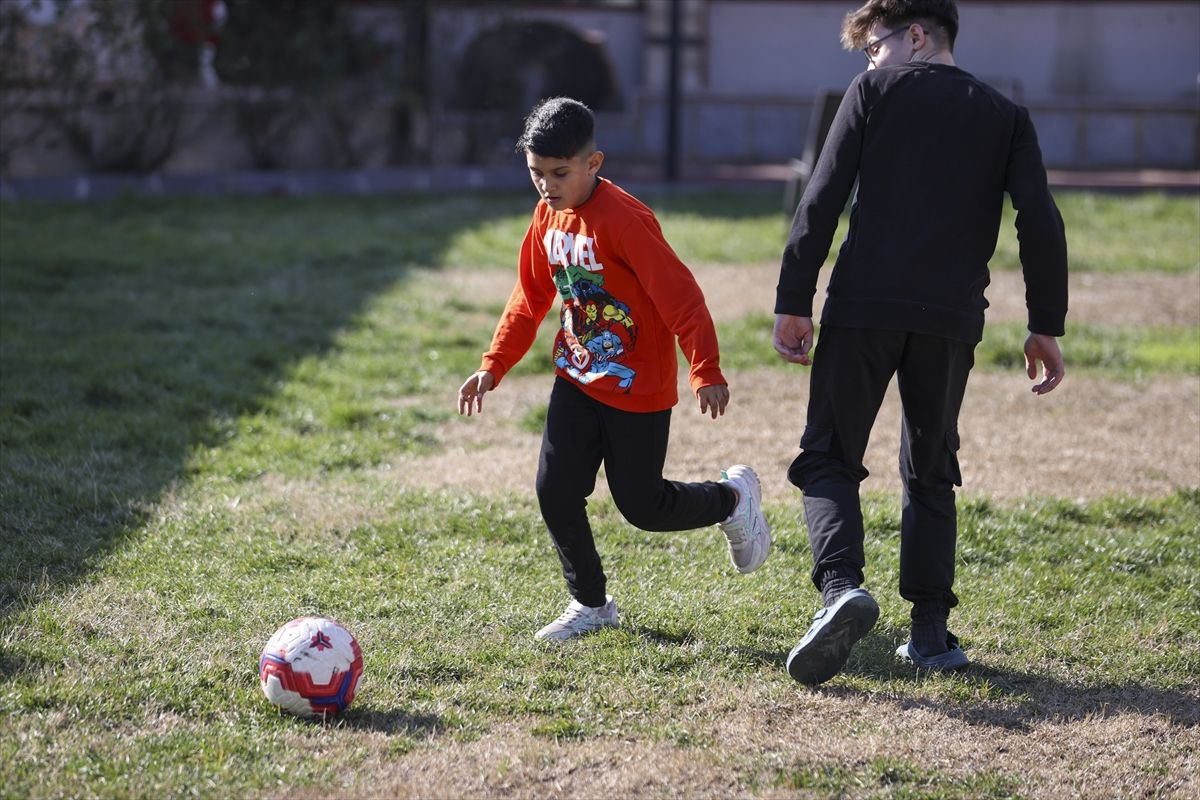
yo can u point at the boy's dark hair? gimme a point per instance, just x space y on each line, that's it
940 15
558 128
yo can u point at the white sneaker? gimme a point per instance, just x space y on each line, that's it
579 619
746 529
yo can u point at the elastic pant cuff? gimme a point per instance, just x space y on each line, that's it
930 611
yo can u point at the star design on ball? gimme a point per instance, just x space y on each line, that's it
320 641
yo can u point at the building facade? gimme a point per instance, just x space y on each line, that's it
1109 84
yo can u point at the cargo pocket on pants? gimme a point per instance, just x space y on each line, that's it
953 473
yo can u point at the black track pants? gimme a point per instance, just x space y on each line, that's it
580 434
851 370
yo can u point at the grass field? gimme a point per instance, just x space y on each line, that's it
216 415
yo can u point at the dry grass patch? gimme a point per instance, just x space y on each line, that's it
510 762
311 504
781 742
1090 438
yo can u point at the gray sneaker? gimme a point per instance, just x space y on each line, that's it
579 619
953 658
835 629
746 529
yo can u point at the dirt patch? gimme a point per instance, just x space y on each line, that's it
1090 438
1122 300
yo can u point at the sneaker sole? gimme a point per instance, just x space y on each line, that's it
826 654
558 637
566 636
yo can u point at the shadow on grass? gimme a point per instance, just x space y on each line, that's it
767 658
1015 700
12 665
134 332
658 636
396 723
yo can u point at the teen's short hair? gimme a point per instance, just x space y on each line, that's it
558 128
892 14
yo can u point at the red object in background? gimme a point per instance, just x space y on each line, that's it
197 21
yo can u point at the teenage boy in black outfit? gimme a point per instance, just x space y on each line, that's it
933 150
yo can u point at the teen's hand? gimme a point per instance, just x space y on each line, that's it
713 399
1040 347
793 338
470 394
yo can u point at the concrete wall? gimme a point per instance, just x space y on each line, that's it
1139 52
1109 84
1144 52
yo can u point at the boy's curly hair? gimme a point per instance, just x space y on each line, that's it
940 15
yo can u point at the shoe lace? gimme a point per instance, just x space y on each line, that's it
570 615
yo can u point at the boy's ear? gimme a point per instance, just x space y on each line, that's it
594 161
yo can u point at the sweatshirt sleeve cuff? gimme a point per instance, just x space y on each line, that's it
793 305
1047 323
706 377
495 367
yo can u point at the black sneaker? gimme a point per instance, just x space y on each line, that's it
823 651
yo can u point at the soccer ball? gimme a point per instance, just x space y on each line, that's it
311 667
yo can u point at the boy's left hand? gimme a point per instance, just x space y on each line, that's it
713 399
1043 348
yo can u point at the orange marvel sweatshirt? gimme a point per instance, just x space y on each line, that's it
625 296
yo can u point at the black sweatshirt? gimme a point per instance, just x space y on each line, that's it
933 150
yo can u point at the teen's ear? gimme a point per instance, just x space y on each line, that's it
594 161
917 32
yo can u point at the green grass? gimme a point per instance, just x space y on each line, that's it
206 412
1105 233
896 778
151 659
1131 353
1150 232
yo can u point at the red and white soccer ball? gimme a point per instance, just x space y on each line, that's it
311 667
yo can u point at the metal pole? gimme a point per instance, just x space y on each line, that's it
674 104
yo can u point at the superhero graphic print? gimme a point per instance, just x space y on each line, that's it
597 329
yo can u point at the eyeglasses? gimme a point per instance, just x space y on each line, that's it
871 51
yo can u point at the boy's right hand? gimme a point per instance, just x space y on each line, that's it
470 394
713 399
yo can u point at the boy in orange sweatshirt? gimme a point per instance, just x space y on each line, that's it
626 297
